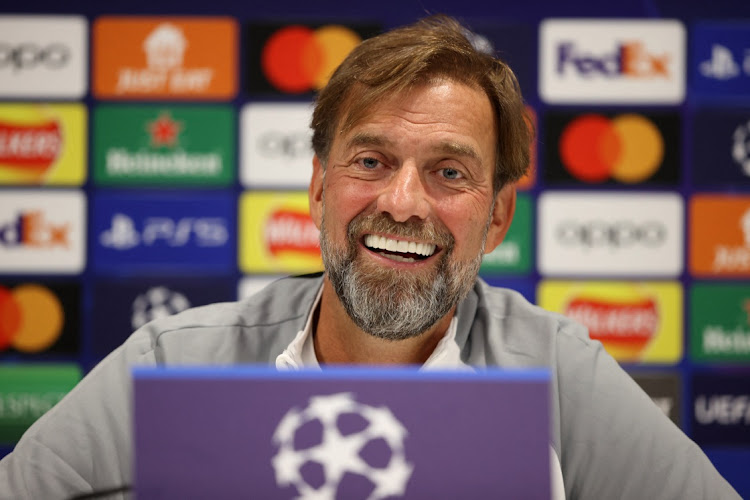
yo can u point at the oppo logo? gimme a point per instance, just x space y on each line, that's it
619 234
31 55
280 145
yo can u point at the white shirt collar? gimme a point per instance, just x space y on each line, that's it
300 353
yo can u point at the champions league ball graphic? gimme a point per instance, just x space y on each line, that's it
157 302
337 442
741 147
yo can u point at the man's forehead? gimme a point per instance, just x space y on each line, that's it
358 106
360 138
361 126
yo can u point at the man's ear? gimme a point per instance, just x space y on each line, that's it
315 192
502 216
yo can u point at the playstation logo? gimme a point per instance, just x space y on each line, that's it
122 235
721 66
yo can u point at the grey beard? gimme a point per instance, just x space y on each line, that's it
394 305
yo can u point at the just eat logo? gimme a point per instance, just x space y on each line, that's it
629 59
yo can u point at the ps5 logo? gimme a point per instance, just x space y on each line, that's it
202 231
722 64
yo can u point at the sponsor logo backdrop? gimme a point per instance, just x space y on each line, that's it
190 182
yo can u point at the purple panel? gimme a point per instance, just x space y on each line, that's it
465 438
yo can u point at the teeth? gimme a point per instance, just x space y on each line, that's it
382 243
399 258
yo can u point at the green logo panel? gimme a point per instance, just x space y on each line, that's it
513 255
28 391
164 146
720 322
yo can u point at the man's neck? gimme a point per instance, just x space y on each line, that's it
338 340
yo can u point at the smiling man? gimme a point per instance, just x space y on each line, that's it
418 141
405 204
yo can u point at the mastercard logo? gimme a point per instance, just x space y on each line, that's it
298 59
628 148
31 318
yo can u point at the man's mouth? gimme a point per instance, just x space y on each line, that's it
399 250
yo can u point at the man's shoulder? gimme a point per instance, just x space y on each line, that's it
249 330
517 332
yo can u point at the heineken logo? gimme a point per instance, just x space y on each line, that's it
164 131
720 326
144 145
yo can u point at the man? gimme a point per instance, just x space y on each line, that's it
418 140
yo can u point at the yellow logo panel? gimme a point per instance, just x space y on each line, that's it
277 234
637 322
42 144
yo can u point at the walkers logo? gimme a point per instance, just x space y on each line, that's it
721 148
277 234
721 410
610 234
295 58
665 390
43 56
635 321
720 62
276 145
39 318
152 233
720 322
124 305
42 232
612 61
165 58
28 391
616 149
179 145
720 235
42 144
513 255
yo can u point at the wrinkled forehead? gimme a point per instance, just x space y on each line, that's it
362 101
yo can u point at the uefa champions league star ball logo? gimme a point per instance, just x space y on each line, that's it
336 438
741 147
157 302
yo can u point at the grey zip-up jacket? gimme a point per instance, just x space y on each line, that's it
611 440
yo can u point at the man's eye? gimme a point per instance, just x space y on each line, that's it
451 173
369 163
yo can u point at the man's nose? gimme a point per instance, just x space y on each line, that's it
405 195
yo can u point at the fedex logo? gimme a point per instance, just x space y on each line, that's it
32 229
42 232
623 61
630 59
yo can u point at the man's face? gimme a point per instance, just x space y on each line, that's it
405 206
